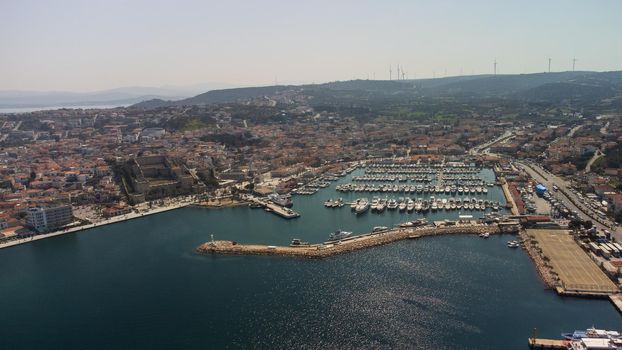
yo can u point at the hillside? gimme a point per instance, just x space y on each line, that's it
590 87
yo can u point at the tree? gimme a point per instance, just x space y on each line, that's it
587 224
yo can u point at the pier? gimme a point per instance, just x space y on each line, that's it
539 343
274 208
616 299
346 245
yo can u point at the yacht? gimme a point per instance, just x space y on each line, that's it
392 204
339 235
410 206
374 204
362 207
381 205
402 205
355 204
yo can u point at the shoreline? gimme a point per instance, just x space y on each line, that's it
545 272
110 221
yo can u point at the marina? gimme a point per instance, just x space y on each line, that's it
434 291
425 288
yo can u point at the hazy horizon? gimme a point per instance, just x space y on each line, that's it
79 47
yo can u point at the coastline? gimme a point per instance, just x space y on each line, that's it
545 272
110 221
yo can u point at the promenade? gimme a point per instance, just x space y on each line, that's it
109 221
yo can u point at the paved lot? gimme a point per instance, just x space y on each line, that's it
574 267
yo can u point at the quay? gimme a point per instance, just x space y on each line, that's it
274 208
347 245
616 299
539 343
565 267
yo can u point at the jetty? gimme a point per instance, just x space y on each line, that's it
539 343
616 299
349 244
274 208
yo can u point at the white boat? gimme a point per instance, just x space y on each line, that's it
392 204
362 207
402 206
339 235
484 235
410 206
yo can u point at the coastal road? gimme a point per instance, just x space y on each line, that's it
566 195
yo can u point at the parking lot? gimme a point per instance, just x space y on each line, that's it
574 267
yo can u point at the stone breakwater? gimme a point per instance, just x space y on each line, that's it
348 245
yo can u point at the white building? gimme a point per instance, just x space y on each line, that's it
45 219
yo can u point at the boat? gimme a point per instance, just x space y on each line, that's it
593 338
381 205
374 204
339 235
284 201
362 207
297 242
329 203
414 223
410 206
354 204
379 228
513 244
392 204
402 206
484 235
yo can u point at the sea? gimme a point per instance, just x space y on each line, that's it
140 284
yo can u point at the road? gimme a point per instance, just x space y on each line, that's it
483 147
597 154
575 129
566 195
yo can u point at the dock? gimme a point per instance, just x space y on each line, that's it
616 299
539 343
274 208
572 272
350 244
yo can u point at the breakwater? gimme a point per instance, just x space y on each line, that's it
344 246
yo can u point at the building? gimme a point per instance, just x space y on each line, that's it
44 219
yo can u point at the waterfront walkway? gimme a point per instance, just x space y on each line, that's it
347 245
109 221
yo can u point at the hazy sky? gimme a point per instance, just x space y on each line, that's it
90 45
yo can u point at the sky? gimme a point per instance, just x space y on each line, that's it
87 45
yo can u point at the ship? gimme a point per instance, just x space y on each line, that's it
283 201
593 338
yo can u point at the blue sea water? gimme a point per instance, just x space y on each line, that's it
140 285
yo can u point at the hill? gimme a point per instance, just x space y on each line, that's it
541 87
